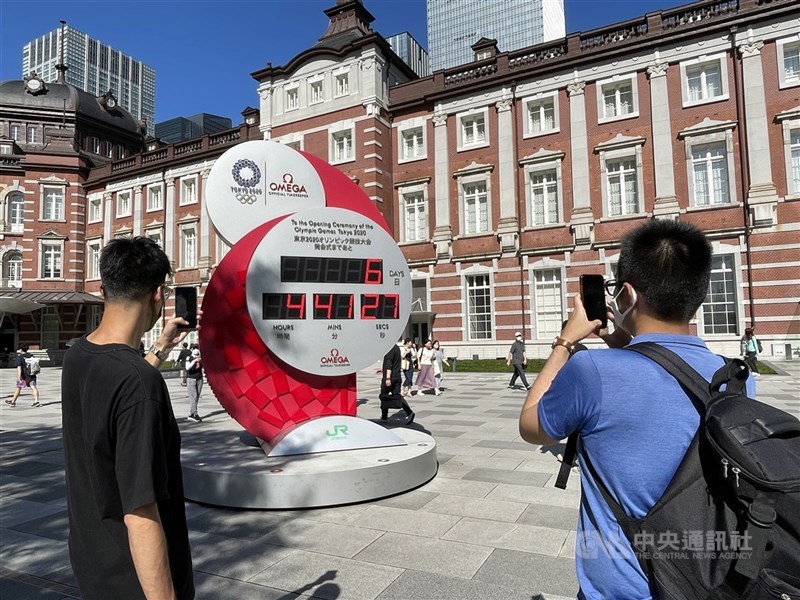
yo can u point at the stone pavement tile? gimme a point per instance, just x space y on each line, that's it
460 448
573 483
513 477
223 588
53 526
336 514
521 455
420 585
545 515
448 434
534 495
32 554
533 572
459 423
63 576
426 413
424 554
233 558
26 468
480 508
412 500
444 485
505 445
248 524
510 536
541 463
14 510
568 551
460 407
35 489
326 538
195 510
452 472
486 462
327 576
19 590
401 520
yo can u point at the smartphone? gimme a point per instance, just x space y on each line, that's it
186 305
593 294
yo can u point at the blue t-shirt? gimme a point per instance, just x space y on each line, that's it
636 423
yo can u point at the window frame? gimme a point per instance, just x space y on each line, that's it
543 160
401 141
32 134
792 182
156 234
92 262
58 245
60 206
90 217
150 188
543 266
794 43
472 115
119 195
317 83
185 184
694 63
718 133
466 276
722 251
539 100
290 91
349 130
184 229
619 149
15 255
341 76
421 190
617 82
15 203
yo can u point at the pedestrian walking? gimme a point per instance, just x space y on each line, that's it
426 379
517 357
194 381
182 356
750 347
390 395
438 361
407 359
27 372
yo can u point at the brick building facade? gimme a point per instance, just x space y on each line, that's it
507 178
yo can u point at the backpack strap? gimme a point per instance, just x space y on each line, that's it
694 383
567 461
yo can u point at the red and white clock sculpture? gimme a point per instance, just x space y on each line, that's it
313 289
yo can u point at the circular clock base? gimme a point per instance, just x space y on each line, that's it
225 466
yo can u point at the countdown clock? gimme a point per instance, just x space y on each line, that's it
326 288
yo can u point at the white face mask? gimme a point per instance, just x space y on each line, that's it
619 317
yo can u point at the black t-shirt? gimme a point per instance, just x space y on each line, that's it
194 368
121 451
183 355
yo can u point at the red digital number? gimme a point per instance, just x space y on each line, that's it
350 307
392 302
296 302
319 305
373 274
369 306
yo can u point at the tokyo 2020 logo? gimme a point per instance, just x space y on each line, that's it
246 173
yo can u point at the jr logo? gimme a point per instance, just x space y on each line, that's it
337 430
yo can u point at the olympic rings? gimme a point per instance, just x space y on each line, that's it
239 166
246 198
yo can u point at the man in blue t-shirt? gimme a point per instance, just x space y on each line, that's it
634 420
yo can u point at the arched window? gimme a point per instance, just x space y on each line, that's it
12 269
16 211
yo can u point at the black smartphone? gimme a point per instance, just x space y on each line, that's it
593 294
186 305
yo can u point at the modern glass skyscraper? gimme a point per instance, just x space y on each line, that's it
414 55
95 68
454 25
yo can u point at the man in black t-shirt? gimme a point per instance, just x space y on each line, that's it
24 377
128 538
182 356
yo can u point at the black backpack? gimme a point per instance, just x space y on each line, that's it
740 476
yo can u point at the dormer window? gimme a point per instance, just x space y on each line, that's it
483 54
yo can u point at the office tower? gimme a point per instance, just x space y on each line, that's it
181 129
95 68
454 25
409 49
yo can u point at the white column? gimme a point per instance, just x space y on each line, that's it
443 232
508 224
108 215
666 203
169 222
204 263
762 194
582 219
137 210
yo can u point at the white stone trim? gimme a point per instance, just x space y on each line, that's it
616 81
793 42
722 60
539 99
469 115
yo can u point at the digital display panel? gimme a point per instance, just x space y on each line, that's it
326 269
333 306
283 306
380 306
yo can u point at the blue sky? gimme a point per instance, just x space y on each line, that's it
204 51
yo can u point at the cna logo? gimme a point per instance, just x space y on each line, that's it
287 187
247 175
334 359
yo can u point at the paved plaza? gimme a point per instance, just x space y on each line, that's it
489 526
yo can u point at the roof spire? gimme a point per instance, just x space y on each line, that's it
61 67
348 15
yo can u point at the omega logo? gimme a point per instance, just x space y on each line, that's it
334 358
287 185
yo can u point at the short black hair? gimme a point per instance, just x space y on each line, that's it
23 347
132 267
669 263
